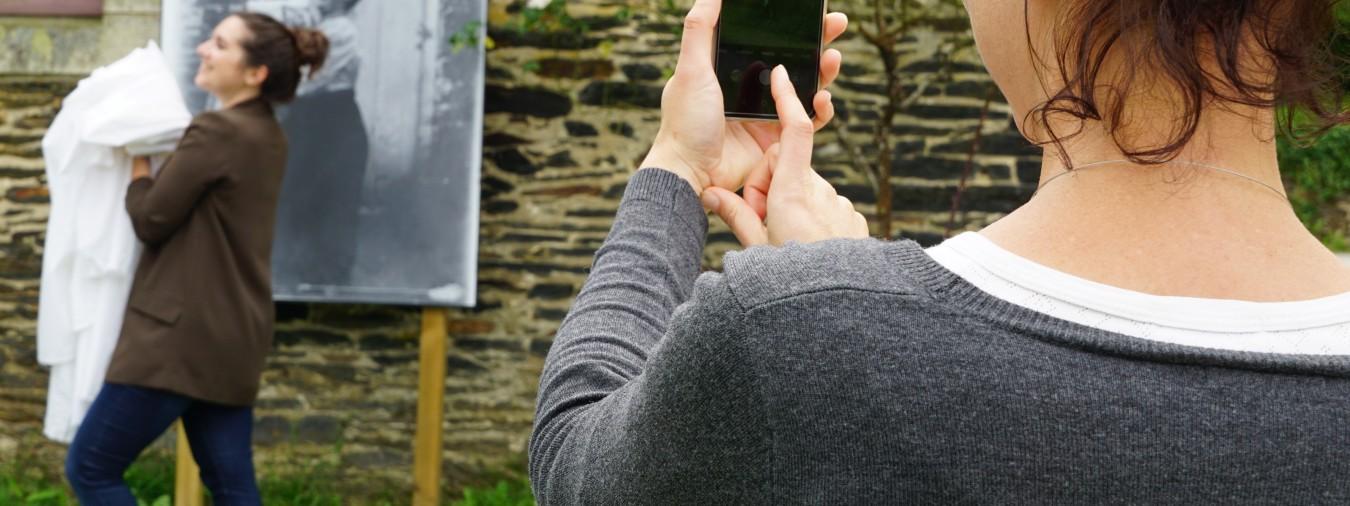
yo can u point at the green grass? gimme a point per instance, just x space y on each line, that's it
22 483
506 493
313 484
317 483
151 479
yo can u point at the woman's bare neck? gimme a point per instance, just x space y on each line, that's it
1175 230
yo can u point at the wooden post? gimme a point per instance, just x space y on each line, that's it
187 488
430 408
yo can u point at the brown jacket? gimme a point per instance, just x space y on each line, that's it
199 319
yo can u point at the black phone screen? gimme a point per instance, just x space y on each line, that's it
753 37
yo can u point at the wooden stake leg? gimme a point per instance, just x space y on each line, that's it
187 483
430 408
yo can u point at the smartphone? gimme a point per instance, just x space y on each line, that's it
754 36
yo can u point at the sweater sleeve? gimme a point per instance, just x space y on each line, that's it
158 206
639 399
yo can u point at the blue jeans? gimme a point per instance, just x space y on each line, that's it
125 419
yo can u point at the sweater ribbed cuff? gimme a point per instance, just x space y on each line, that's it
669 190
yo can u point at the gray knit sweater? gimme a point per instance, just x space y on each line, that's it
862 372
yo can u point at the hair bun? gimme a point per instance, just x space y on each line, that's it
312 47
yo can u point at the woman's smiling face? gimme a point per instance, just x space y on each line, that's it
225 69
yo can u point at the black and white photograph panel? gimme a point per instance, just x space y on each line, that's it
380 201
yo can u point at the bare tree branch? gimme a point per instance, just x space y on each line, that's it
970 161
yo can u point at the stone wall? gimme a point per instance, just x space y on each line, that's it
74 46
568 115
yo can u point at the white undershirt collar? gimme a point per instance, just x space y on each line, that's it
1319 326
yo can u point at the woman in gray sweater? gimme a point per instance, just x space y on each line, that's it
1155 325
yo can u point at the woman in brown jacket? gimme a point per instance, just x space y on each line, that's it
198 325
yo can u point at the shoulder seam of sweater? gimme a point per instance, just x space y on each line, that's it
749 268
788 297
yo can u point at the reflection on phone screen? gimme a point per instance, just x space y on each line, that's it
754 36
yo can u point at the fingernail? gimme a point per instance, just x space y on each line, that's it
786 78
710 201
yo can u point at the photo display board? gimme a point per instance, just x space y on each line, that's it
380 199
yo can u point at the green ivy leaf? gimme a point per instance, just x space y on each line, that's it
42 496
467 36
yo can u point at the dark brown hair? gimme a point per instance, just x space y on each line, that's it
1261 53
285 51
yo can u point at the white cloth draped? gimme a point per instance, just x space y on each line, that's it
131 107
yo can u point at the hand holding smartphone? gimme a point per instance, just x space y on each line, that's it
696 139
754 36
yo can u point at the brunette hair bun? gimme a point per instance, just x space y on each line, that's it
285 51
312 48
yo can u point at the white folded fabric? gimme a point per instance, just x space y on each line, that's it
129 108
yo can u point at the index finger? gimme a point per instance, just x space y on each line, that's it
797 139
